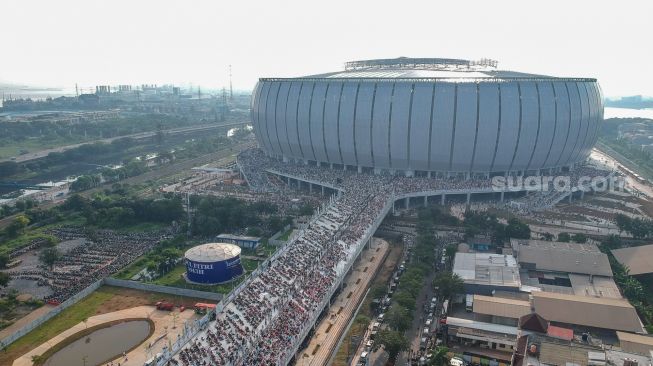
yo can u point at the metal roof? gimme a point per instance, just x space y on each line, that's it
487 269
212 252
499 306
598 312
562 257
638 260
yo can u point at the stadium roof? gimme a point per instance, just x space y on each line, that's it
428 68
561 257
638 260
500 306
212 252
605 313
487 269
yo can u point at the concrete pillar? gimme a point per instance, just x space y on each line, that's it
502 192
570 196
344 166
429 175
331 165
299 184
426 201
469 198
407 199
393 207
582 194
323 190
443 199
310 187
360 169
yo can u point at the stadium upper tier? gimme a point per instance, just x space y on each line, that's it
429 115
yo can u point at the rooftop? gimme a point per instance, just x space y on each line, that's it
212 252
499 306
561 257
429 68
596 312
487 269
638 260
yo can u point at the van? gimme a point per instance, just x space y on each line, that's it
375 326
364 355
369 345
380 318
469 303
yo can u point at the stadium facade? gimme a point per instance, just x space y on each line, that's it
429 117
213 263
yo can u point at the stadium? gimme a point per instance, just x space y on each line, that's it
429 117
213 263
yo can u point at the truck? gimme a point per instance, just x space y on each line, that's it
202 308
164 305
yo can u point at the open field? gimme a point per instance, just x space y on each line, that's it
105 300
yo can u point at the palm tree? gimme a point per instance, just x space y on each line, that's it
439 358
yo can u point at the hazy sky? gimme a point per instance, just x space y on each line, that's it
109 42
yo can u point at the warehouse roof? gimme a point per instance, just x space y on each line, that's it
606 313
212 252
487 269
562 257
638 260
631 342
500 306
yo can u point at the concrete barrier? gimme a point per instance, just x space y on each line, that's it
163 289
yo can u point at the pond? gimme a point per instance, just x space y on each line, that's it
102 345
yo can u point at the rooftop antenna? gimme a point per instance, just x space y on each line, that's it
76 90
199 92
231 86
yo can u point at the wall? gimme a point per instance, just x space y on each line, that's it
163 289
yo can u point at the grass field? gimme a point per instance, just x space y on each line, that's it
174 279
286 235
105 300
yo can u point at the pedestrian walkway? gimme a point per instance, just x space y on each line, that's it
332 326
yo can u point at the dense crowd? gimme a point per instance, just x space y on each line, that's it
263 323
105 254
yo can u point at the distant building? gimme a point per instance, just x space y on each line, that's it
249 242
480 243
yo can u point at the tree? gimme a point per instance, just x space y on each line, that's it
49 256
564 237
612 242
448 284
394 342
398 318
579 238
547 236
439 358
17 226
4 279
4 259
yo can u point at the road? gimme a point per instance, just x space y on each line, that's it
613 159
137 136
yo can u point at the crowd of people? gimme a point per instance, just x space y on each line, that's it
103 255
263 323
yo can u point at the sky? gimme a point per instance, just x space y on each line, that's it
90 42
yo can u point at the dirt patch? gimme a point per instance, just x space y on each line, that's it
125 298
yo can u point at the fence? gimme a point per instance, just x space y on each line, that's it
274 239
163 289
49 315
